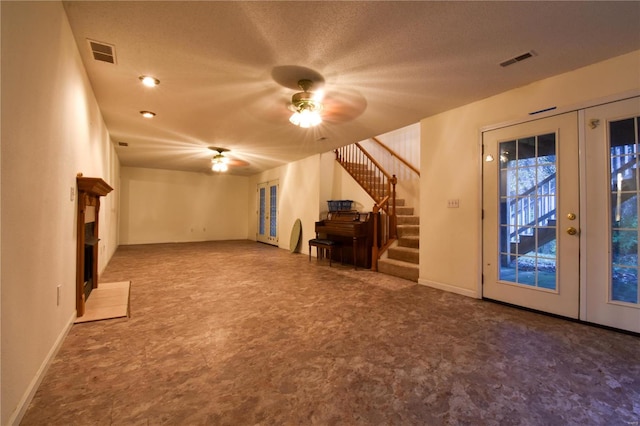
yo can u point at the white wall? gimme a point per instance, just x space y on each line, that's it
51 130
450 239
161 206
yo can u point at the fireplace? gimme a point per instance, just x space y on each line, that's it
89 192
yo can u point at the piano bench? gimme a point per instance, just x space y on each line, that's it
324 244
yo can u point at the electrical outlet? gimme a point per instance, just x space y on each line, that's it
72 194
58 289
453 203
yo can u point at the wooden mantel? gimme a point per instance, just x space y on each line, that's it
90 189
93 186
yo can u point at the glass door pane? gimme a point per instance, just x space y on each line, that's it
273 211
623 148
263 211
528 211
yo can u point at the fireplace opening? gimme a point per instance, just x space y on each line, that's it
89 243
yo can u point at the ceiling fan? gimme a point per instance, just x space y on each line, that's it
221 162
337 104
306 105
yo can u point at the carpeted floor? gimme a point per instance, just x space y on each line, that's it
241 333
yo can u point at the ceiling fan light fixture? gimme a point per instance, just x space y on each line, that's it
219 163
305 118
219 167
149 81
306 106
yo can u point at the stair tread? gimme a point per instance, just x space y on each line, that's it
406 249
401 263
404 254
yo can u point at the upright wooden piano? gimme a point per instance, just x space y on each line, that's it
354 230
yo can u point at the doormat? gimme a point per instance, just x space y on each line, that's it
109 300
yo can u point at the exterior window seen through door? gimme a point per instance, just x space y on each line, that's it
262 210
624 138
528 211
273 206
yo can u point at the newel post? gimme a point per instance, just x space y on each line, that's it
394 219
374 249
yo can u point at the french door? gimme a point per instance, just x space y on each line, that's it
561 197
612 147
268 213
531 214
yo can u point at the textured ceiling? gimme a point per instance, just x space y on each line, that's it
228 69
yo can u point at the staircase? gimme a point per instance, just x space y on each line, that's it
528 243
402 258
396 230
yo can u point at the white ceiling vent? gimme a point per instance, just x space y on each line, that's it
518 58
104 52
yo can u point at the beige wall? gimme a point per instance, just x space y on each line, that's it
450 239
51 130
161 206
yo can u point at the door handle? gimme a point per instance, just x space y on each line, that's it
572 231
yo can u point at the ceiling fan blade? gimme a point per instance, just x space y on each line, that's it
289 75
343 106
236 162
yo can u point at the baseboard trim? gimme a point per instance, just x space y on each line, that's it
23 405
449 288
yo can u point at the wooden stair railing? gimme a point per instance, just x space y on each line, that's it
376 251
381 186
376 208
395 155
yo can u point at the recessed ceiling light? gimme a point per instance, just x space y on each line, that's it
149 81
148 114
